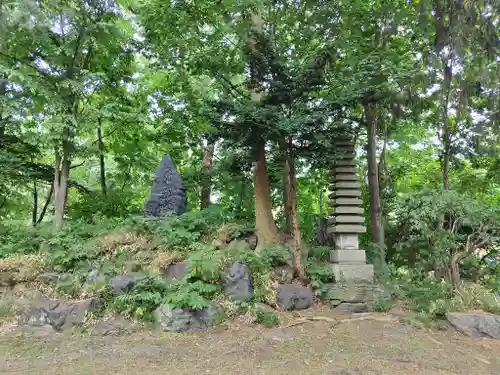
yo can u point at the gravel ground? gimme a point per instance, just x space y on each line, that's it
370 345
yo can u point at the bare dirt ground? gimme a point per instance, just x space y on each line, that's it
367 345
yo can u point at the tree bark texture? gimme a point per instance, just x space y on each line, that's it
61 177
376 215
46 205
34 215
292 198
102 167
287 204
206 180
267 231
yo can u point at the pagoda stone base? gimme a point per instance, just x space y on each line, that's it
353 272
348 256
354 297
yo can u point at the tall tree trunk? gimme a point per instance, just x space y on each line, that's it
287 203
102 168
265 226
376 215
34 215
292 198
46 205
61 177
206 180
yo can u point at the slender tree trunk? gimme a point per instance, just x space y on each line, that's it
34 215
61 177
445 126
287 204
206 180
265 226
292 198
101 157
46 205
376 216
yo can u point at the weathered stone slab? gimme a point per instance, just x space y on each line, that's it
168 194
353 272
354 292
351 170
476 325
341 193
346 219
346 202
344 177
294 297
347 210
346 241
239 283
346 162
58 314
346 228
345 185
345 155
352 308
177 271
350 256
175 319
124 283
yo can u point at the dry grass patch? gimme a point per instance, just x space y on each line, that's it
131 241
164 259
21 268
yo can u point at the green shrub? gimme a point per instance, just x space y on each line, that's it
277 255
142 300
319 273
267 319
383 305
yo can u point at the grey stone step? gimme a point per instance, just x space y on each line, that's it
348 219
350 170
345 202
344 185
346 210
346 228
345 193
344 177
346 163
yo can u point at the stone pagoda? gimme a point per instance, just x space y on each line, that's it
346 219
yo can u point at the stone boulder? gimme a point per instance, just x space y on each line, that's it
168 194
95 277
176 319
294 297
177 271
58 315
239 282
124 283
115 326
476 325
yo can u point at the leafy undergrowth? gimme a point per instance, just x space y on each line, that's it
150 246
209 241
431 299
